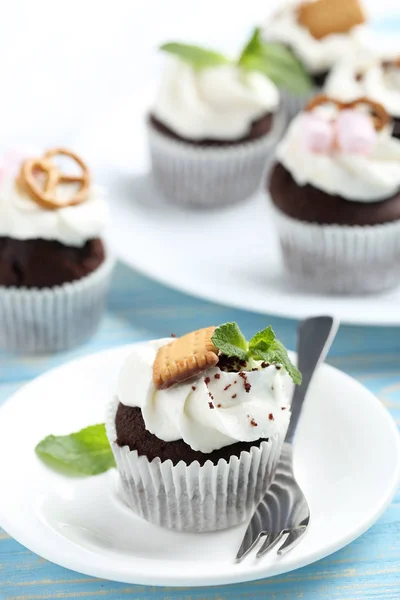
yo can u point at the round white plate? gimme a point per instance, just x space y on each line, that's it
228 256
347 460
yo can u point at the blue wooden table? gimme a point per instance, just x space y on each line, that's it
139 309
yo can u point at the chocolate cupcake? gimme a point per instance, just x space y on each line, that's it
370 74
319 33
198 425
212 128
54 268
335 195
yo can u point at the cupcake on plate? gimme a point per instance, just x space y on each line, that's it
213 125
335 193
54 267
369 74
198 424
319 33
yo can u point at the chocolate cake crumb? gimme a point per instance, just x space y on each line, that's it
271 417
264 365
211 405
247 387
193 387
231 364
278 367
234 395
211 396
219 405
173 335
217 376
252 422
283 408
207 380
227 387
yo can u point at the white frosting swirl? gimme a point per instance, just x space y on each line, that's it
216 103
378 83
22 218
362 178
317 55
182 412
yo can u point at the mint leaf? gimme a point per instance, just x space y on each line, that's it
265 346
230 341
86 452
199 58
276 61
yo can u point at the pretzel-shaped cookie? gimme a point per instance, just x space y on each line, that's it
380 117
46 196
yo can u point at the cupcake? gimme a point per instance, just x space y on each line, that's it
336 199
319 33
54 267
212 127
376 76
198 424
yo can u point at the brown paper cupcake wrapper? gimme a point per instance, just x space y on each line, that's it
53 319
193 497
207 177
340 259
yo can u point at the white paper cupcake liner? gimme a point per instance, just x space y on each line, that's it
53 319
340 259
207 177
294 103
193 497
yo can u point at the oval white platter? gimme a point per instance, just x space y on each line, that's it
347 461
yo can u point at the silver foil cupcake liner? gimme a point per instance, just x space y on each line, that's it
193 497
53 319
214 176
294 103
340 259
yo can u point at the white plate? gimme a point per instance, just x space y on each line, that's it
228 256
346 459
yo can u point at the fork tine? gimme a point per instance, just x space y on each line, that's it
292 539
270 542
248 544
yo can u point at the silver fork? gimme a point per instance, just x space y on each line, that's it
283 511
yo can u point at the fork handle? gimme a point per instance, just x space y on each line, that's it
315 337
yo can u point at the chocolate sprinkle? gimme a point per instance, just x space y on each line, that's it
227 387
211 405
252 422
234 395
271 417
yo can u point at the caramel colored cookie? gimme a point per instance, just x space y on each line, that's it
323 17
184 358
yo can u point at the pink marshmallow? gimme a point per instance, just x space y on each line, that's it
317 133
355 132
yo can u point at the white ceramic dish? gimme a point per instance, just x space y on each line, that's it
229 256
347 460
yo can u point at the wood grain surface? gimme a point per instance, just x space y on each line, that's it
140 309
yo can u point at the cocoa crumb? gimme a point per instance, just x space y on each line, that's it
207 380
211 396
358 77
278 367
242 375
235 381
211 405
173 335
219 405
227 387
264 365
283 408
252 422
247 387
271 417
193 387
217 376
234 395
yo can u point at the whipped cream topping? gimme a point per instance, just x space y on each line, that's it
215 103
185 411
357 177
317 55
366 74
22 218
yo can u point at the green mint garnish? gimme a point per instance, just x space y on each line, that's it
198 58
230 341
86 452
263 346
275 61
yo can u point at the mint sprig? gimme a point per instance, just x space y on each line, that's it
263 346
199 58
86 452
275 61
